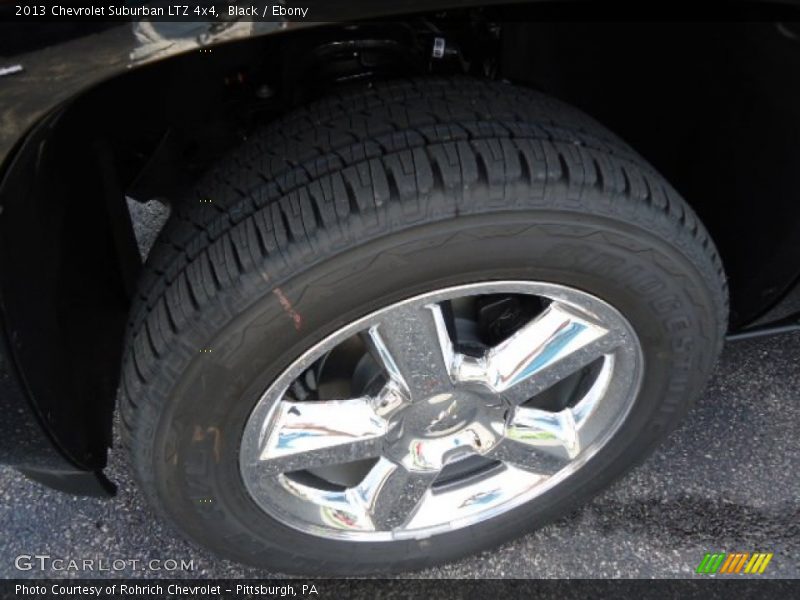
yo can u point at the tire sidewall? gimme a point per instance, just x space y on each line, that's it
259 328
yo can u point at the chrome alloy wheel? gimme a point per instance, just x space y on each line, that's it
429 428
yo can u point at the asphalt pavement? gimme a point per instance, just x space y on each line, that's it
725 481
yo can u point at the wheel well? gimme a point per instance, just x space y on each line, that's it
718 114
713 106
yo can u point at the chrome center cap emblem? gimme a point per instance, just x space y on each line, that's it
443 428
447 421
443 414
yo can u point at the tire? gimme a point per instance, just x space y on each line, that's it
362 200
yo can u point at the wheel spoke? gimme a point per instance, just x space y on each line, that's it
415 349
553 346
391 493
528 458
540 440
385 500
302 435
472 498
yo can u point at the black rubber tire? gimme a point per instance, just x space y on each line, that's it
368 197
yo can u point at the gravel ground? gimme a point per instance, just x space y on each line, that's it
727 481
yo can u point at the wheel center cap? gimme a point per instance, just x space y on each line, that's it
442 414
443 428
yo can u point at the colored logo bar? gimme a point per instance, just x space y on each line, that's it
734 562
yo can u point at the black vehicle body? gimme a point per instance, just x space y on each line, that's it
101 111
